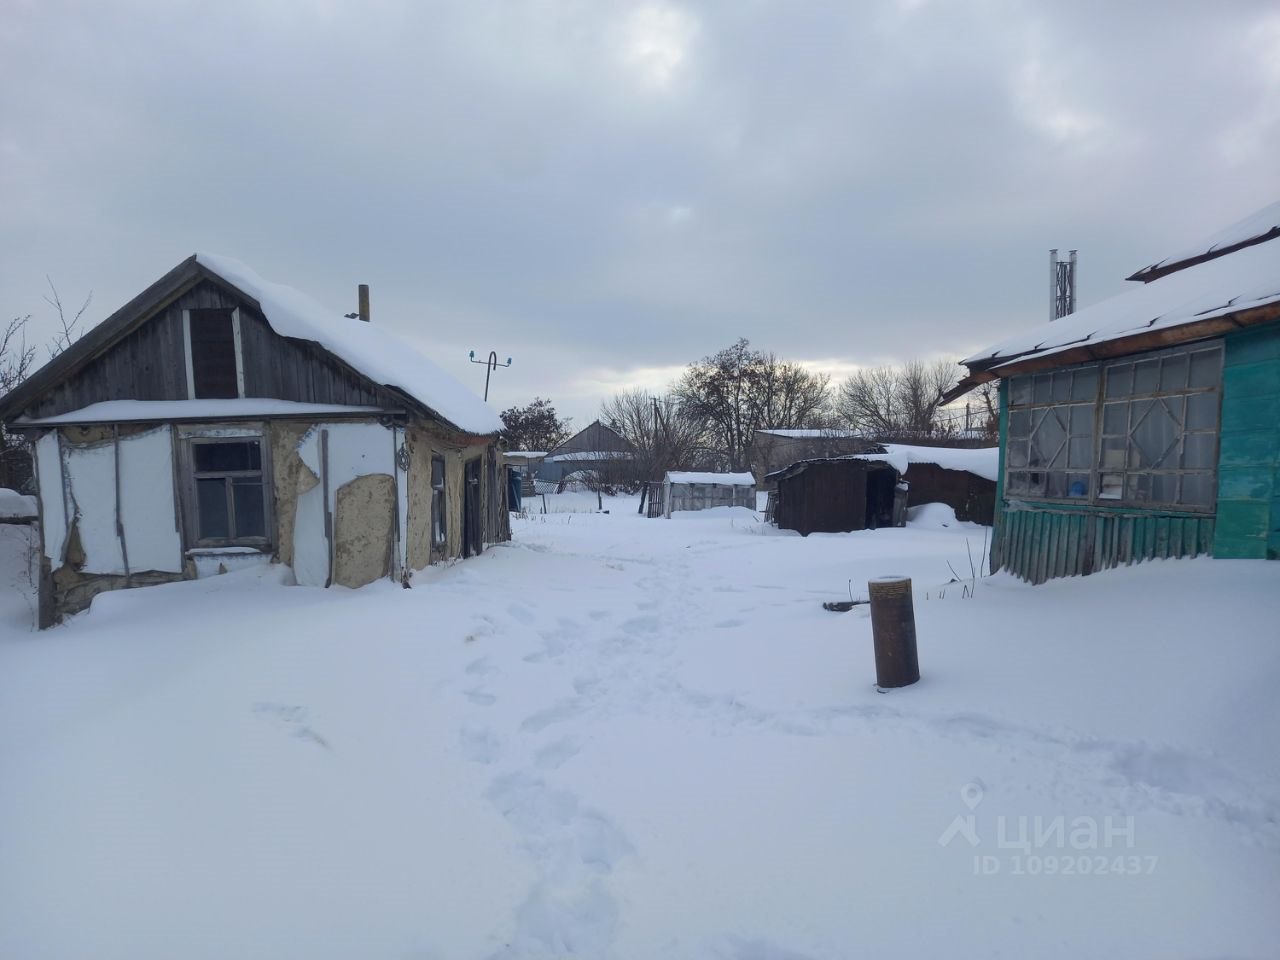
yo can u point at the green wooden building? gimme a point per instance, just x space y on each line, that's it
1147 425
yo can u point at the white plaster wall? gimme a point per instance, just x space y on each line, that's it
355 450
310 546
53 513
91 472
146 503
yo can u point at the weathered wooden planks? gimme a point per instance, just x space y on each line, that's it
1041 544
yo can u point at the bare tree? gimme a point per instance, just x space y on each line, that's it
894 401
868 401
789 396
982 410
920 389
661 436
16 356
739 390
17 361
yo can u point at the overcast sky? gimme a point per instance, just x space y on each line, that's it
607 191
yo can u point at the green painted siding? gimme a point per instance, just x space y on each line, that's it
997 521
1249 458
1039 541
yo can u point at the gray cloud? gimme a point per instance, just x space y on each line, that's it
605 190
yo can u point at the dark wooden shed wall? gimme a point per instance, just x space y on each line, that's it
826 497
150 364
972 497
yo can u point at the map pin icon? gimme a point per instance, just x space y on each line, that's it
971 794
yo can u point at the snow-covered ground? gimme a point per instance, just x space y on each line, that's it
631 738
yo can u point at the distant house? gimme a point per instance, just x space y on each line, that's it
596 451
1147 425
773 449
701 491
218 420
837 495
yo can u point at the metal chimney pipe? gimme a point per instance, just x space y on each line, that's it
1072 307
364 302
1053 284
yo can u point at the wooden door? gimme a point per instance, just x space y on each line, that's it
472 536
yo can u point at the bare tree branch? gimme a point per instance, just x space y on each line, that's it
895 401
68 334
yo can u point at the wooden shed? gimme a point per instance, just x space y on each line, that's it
1147 425
837 495
218 420
702 491
775 448
972 497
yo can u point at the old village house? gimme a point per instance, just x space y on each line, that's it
218 420
1147 425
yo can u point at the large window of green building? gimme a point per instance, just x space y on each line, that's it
1139 431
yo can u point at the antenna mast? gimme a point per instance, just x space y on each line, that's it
1062 285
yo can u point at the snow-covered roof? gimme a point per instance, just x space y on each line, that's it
126 411
16 506
1237 281
589 455
525 454
810 434
982 462
379 355
724 479
1251 229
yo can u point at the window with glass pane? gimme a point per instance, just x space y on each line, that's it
1140 431
230 493
437 501
1049 449
1159 444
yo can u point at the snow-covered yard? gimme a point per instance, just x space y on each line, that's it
632 738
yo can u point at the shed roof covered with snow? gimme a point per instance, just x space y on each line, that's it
724 479
981 462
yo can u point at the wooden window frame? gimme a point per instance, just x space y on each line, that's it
239 349
439 518
1029 387
191 437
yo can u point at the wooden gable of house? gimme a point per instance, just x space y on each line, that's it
148 355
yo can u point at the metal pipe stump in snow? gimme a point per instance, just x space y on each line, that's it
893 629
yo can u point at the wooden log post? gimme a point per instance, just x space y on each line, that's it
893 629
